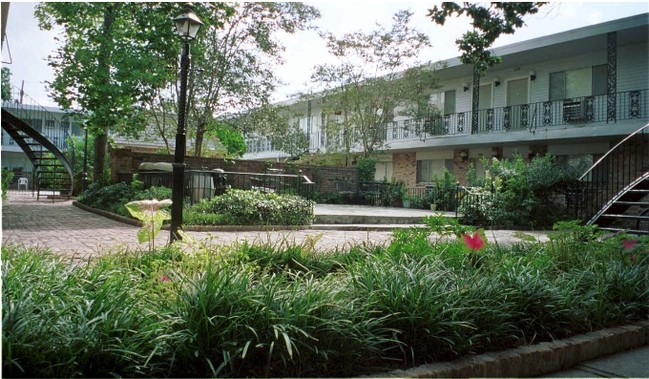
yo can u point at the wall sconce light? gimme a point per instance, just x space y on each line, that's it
532 75
464 155
465 86
496 82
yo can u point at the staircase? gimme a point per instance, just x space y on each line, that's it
614 192
43 139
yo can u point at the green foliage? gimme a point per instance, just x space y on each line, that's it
7 177
366 169
109 198
443 191
378 76
6 84
286 310
240 207
157 193
515 193
488 24
112 59
233 60
394 192
152 215
230 138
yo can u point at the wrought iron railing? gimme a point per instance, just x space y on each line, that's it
205 184
573 111
54 128
612 173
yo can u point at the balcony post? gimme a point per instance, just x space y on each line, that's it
475 101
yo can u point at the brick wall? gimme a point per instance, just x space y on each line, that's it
125 162
404 167
461 165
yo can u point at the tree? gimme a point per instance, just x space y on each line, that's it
279 123
233 66
227 136
377 78
112 58
6 84
488 24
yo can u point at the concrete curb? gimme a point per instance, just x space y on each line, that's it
535 360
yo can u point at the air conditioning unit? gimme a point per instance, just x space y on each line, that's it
573 111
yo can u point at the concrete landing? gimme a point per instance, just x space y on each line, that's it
335 214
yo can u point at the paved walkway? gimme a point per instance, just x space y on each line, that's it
68 230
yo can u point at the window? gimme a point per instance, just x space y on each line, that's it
444 101
588 81
428 169
484 99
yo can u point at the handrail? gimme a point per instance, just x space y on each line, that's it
605 156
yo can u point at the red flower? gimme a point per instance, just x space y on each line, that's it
629 244
475 242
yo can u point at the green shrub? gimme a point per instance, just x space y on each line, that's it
109 198
519 194
7 177
242 207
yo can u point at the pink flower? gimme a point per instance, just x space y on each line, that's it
629 244
164 279
476 242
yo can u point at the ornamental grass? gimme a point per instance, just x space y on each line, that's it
278 310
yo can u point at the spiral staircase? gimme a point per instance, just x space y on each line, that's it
45 140
614 192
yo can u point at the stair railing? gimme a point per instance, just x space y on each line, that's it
38 117
54 129
610 174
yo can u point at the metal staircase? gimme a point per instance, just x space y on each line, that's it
614 192
43 138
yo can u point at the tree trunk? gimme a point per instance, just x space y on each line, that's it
101 147
200 135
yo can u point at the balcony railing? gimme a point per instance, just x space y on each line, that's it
575 111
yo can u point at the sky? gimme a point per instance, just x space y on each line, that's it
27 47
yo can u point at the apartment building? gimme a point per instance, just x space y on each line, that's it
573 94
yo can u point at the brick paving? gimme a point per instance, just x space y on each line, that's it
68 230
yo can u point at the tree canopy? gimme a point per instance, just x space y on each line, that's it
233 66
377 77
109 59
6 84
488 24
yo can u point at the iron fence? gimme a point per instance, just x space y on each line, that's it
205 184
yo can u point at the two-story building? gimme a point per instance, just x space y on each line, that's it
573 94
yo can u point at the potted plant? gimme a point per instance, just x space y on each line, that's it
407 201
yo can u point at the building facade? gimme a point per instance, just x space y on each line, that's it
573 94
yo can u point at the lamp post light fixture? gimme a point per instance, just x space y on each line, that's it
187 26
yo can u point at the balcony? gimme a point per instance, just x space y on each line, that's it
547 114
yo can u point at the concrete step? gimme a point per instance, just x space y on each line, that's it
332 214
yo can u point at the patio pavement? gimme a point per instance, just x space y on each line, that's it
70 231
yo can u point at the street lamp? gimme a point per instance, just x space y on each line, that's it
187 26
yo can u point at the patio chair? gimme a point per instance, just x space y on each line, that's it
22 181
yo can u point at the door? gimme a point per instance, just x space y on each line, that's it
516 113
485 111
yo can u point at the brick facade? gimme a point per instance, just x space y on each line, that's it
404 168
461 165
